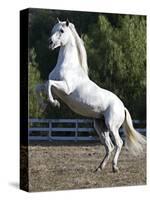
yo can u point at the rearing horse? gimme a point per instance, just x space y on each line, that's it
70 82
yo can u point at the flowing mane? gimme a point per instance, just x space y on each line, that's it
80 47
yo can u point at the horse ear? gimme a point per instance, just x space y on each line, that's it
67 22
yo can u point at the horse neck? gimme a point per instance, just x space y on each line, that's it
68 55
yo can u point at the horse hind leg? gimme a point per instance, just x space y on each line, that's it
118 146
103 133
114 118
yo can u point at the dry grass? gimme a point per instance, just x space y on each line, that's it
61 167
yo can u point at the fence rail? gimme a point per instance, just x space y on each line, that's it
53 129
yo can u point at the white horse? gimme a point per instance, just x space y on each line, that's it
70 82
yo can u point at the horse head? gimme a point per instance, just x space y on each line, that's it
60 34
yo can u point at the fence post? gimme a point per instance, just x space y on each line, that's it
76 131
30 124
50 130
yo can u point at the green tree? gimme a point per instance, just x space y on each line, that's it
117 59
34 79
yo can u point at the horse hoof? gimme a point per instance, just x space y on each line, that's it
115 169
56 103
98 169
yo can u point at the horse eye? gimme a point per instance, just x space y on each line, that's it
61 30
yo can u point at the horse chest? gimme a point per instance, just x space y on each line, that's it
60 73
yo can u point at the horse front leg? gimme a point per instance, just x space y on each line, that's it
59 85
53 101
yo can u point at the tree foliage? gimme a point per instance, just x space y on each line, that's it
33 80
117 58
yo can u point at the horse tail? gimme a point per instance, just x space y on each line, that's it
135 141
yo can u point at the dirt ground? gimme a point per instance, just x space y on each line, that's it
64 166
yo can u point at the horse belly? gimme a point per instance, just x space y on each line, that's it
82 106
83 109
